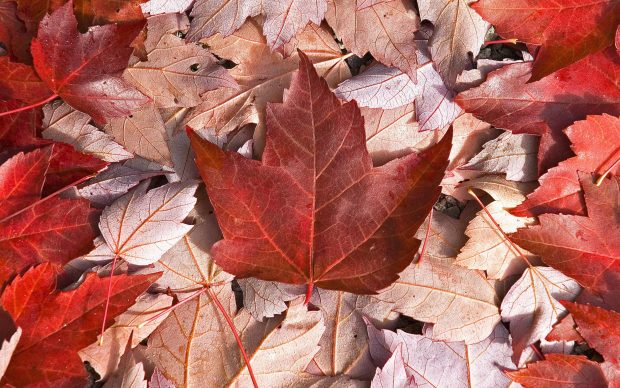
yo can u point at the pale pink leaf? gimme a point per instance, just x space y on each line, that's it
140 227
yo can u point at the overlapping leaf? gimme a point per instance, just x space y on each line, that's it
458 31
568 30
85 69
309 167
585 248
282 19
506 100
141 226
56 322
595 142
36 229
383 28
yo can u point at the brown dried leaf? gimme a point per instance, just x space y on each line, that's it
142 133
487 249
461 303
175 74
385 29
344 345
65 124
459 30
262 76
532 305
195 347
510 154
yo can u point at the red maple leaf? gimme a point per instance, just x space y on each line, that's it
315 211
33 228
596 142
85 69
564 37
584 248
506 100
56 324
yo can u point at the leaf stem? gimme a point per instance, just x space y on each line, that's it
502 41
601 178
537 351
27 107
235 333
107 300
428 231
309 289
506 238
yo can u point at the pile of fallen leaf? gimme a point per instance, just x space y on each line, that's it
385 193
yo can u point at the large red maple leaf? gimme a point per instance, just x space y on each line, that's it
568 30
315 211
506 100
33 228
584 248
596 142
85 69
55 325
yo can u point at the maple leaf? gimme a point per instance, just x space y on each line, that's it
65 322
510 154
265 299
85 69
175 73
113 183
595 143
383 87
565 37
279 348
62 123
506 100
532 305
487 248
37 229
309 168
585 248
140 226
560 369
461 303
344 345
21 82
458 31
446 364
143 133
445 236
283 19
383 28
261 75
